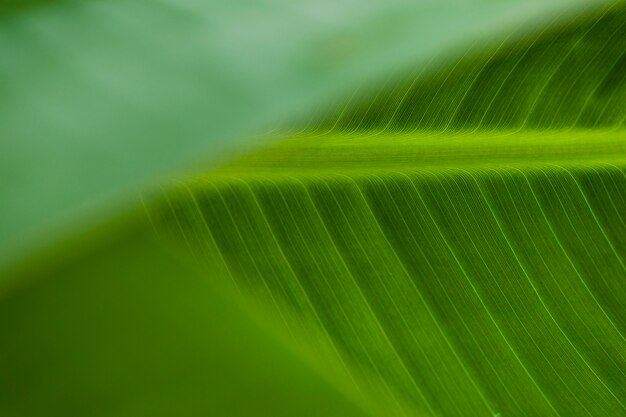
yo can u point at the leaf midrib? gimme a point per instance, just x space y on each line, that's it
367 152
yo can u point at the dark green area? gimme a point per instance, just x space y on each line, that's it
119 327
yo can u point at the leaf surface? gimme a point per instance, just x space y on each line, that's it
459 239
449 245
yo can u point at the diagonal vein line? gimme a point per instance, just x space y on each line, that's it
543 303
254 263
376 224
593 215
296 279
513 309
365 300
560 244
339 304
483 304
417 343
565 297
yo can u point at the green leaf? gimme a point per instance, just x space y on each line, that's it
453 245
459 241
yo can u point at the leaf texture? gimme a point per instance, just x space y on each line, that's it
450 245
458 241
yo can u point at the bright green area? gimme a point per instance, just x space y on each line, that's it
363 153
